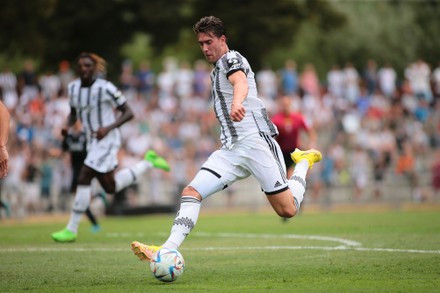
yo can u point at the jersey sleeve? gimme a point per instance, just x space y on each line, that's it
233 63
116 96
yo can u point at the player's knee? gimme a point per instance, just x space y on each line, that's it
286 212
191 191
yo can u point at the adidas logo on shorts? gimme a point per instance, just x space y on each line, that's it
278 184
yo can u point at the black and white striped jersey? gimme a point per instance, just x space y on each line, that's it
95 105
256 119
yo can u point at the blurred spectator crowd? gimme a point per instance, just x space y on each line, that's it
375 126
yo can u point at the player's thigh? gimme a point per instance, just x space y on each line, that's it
107 181
265 161
85 175
222 169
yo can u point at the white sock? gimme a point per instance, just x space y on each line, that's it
128 176
80 204
184 222
297 183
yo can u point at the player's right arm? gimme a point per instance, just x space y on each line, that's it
239 82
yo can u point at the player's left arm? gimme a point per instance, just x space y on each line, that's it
239 82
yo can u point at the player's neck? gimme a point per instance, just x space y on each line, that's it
87 82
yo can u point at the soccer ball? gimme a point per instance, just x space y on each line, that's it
167 265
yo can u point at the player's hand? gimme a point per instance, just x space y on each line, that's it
101 133
237 112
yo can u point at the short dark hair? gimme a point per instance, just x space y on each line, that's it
210 25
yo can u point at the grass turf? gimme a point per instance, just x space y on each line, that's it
386 251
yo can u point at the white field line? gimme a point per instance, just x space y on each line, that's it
324 248
251 235
343 244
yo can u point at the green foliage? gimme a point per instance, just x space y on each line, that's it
233 252
383 31
256 28
266 32
53 30
138 49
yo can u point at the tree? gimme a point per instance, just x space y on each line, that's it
256 28
53 30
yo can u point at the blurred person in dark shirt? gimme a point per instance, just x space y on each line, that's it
290 125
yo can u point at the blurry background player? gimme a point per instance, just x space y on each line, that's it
290 125
75 143
93 101
248 147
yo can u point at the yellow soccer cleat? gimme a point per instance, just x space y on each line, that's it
144 252
312 155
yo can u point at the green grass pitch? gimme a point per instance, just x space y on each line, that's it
358 251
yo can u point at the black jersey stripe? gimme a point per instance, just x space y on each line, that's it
89 118
98 102
80 112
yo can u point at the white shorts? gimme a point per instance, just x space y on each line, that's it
102 155
258 155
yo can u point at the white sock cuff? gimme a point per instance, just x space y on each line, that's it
189 200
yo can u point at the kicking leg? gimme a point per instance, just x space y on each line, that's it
184 222
282 202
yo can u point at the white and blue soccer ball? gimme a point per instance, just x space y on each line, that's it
167 265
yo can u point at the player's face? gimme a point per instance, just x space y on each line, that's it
86 68
212 47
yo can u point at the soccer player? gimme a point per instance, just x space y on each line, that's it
4 133
248 147
93 101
